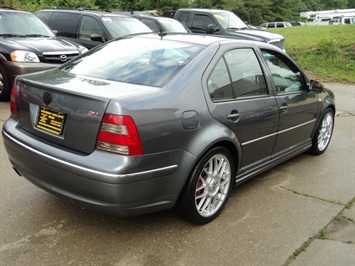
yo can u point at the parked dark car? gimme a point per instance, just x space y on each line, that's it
224 23
28 45
90 28
170 121
162 24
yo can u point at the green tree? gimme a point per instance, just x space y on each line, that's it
351 4
68 3
334 4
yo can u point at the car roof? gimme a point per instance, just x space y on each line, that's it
208 10
203 39
152 17
9 9
145 16
99 13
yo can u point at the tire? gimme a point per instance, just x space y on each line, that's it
323 135
4 85
208 188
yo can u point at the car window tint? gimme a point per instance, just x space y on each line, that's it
219 83
287 77
151 24
89 26
183 17
247 77
65 23
44 16
199 23
280 25
137 62
238 74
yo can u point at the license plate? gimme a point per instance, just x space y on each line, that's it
50 121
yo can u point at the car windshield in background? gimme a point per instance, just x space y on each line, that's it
172 25
15 24
120 26
144 63
229 20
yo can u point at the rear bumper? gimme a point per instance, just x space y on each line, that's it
109 185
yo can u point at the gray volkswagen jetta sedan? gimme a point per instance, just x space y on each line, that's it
155 122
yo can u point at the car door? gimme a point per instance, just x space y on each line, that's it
200 23
297 104
242 102
88 26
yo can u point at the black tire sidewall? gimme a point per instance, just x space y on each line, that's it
5 94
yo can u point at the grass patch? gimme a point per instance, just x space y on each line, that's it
327 51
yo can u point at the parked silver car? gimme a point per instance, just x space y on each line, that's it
276 24
170 121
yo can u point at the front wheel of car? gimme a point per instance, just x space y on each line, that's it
323 135
208 187
4 85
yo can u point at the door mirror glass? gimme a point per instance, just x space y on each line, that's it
316 86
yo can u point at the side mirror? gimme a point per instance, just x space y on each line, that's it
97 38
211 29
316 86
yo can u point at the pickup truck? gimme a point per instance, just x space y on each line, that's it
223 22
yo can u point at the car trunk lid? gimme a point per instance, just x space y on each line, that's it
67 110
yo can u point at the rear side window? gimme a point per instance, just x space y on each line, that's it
280 25
65 23
237 75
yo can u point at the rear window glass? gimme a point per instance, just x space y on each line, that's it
144 61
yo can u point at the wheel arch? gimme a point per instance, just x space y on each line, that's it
319 118
226 143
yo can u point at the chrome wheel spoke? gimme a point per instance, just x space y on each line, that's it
325 132
213 185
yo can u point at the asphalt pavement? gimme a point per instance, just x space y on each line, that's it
299 213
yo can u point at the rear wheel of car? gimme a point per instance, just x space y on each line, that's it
4 85
324 133
208 187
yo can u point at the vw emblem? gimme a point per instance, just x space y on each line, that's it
63 58
47 98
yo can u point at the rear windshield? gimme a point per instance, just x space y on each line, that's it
143 61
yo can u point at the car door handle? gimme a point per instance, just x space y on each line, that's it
234 116
283 108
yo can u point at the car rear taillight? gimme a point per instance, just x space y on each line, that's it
119 134
13 96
